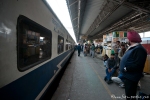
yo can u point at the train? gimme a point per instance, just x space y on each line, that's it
35 49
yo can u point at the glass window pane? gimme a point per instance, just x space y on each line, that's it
69 45
60 44
34 43
66 45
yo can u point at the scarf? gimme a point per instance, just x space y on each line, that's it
132 46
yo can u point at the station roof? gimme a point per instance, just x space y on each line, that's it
93 18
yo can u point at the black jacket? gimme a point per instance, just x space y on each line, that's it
134 61
111 63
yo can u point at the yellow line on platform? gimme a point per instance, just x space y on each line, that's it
104 84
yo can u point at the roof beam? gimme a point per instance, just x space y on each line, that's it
141 20
74 19
73 3
123 2
135 19
133 6
137 8
104 14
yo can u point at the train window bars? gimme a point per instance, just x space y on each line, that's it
33 43
60 44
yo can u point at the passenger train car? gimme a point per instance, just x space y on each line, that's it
34 49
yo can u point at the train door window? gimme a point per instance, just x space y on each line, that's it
66 45
60 44
33 43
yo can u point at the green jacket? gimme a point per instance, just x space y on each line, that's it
93 47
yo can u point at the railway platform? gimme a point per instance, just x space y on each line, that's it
84 80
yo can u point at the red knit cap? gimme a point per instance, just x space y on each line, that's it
134 36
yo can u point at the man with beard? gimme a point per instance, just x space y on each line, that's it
132 64
111 67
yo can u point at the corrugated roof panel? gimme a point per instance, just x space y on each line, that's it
75 23
119 13
71 1
74 10
91 12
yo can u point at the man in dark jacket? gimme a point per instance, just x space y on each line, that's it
79 49
132 64
111 68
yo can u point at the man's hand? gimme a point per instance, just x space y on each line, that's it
125 69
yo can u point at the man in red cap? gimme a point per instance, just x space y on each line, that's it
132 64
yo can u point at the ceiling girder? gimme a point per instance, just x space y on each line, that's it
73 3
104 14
137 20
137 8
74 19
134 5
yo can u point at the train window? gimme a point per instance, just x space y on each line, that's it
69 45
60 44
33 43
66 45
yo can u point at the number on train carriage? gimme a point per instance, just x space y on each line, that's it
60 44
33 43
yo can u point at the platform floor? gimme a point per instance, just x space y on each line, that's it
83 80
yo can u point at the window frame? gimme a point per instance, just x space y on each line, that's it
35 27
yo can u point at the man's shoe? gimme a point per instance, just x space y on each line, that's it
105 79
109 81
121 85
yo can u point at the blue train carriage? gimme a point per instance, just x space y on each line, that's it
33 51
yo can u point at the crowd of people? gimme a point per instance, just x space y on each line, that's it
89 49
128 62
